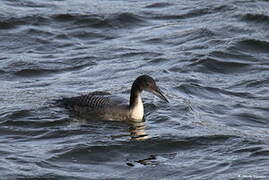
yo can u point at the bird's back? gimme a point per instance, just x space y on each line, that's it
99 105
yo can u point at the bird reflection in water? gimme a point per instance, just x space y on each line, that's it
137 131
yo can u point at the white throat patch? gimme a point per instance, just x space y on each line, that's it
138 110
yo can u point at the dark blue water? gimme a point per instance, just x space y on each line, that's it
211 59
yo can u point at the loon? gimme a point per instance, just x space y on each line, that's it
106 106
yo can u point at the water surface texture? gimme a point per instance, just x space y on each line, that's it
211 59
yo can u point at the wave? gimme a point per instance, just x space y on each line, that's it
115 150
30 118
37 72
253 45
253 83
189 14
44 68
159 5
261 152
116 20
251 118
13 22
213 65
210 92
260 18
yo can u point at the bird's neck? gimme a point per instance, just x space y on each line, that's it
136 103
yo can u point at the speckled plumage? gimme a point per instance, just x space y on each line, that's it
99 104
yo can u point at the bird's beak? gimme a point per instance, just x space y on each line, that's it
159 93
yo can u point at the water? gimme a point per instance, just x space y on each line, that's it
209 57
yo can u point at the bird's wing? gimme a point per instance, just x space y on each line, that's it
94 100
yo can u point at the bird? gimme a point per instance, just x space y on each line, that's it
104 105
